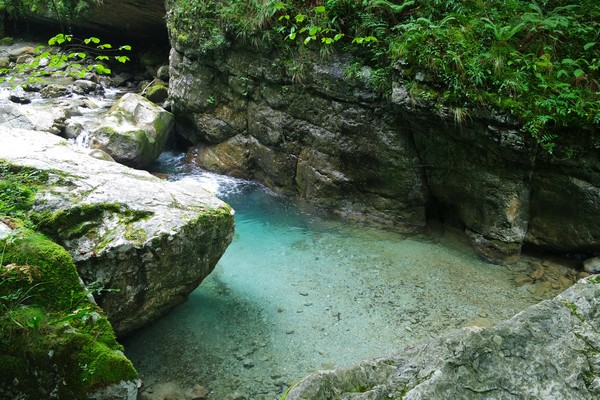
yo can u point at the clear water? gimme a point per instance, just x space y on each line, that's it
297 291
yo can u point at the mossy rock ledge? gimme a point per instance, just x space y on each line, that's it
548 351
149 242
55 342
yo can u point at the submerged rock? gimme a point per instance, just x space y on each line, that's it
146 242
549 350
134 132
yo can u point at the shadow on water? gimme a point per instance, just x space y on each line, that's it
297 291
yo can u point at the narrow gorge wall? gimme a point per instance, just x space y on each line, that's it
331 141
303 126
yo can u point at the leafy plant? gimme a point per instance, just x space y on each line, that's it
68 56
537 60
63 9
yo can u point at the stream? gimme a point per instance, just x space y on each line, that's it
298 291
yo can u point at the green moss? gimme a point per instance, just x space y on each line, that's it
135 235
156 94
52 338
100 364
53 276
18 185
84 220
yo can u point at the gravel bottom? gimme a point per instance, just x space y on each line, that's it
296 293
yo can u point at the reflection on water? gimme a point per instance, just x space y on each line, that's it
296 292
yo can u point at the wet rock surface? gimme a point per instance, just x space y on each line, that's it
312 139
134 131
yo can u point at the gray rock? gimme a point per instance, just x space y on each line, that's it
29 116
72 129
163 73
333 144
125 390
548 351
592 265
332 140
53 91
122 78
152 240
12 117
134 132
18 95
86 85
15 53
24 59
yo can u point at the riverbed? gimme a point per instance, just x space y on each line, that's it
299 290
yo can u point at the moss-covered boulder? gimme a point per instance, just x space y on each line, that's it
55 342
149 242
134 132
157 93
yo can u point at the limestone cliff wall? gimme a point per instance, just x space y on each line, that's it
305 127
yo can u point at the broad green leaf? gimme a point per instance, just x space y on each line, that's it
578 73
320 9
122 59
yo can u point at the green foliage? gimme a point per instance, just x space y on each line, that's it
62 9
48 324
538 60
68 56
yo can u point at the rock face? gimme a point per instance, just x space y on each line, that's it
127 17
329 139
547 351
134 132
304 126
153 241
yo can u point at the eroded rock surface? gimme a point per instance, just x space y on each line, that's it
147 242
548 351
